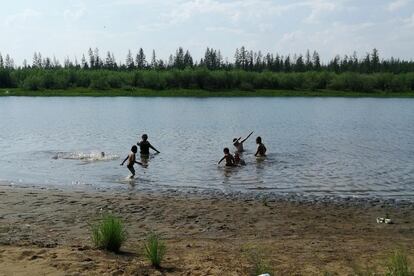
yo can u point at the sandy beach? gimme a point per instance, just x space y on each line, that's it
47 232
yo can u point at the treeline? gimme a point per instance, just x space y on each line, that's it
249 71
199 78
244 59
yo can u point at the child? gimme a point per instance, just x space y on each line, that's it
239 144
132 161
261 149
229 158
238 160
144 146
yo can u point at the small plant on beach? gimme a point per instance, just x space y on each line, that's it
154 249
257 261
109 233
398 265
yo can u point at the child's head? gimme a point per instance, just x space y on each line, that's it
145 137
258 140
102 154
134 149
234 140
226 150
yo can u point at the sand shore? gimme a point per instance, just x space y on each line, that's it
47 232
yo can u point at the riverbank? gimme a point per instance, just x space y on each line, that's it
81 92
48 231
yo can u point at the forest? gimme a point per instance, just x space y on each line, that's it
248 71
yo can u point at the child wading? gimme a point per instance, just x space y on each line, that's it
132 160
144 146
261 149
229 158
239 144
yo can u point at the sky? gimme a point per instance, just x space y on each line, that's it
67 28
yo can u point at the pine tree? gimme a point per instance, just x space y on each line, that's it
375 60
154 63
91 59
179 58
8 62
1 62
129 61
300 65
237 61
84 63
140 59
188 60
316 61
308 61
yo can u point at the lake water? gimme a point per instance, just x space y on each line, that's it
317 146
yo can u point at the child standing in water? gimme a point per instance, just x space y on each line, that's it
261 149
144 146
229 158
132 160
238 160
239 144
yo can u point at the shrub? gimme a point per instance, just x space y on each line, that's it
154 249
109 233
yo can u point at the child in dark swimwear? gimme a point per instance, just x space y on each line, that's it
144 146
229 158
132 160
239 144
238 160
261 149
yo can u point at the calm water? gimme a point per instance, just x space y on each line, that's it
317 146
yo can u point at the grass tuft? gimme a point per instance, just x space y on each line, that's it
398 265
154 249
257 261
109 233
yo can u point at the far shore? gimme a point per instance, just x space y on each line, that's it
48 231
82 92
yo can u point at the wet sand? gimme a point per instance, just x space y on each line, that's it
47 232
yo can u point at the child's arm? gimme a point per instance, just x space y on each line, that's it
124 160
139 163
257 152
153 148
221 159
247 137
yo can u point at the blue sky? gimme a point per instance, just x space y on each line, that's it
68 28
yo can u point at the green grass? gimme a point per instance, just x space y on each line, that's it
398 265
109 233
258 263
140 92
154 249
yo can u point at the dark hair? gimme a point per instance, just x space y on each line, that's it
226 150
259 140
234 140
144 136
134 149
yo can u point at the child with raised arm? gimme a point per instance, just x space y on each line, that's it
132 160
144 146
228 157
239 144
261 149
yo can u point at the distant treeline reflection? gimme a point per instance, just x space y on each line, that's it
249 71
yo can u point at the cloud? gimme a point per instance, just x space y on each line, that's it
75 13
396 5
22 18
318 7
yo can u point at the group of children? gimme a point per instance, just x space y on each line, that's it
231 161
